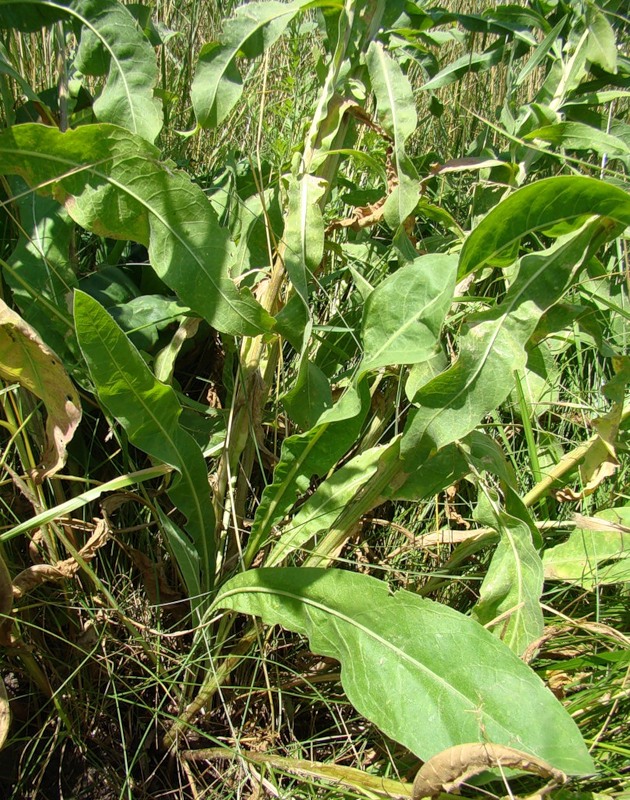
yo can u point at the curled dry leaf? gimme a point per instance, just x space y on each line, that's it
25 358
33 576
455 765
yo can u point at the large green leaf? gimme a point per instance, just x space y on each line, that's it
471 62
218 84
149 412
425 674
112 44
310 397
404 315
397 113
492 348
112 183
540 206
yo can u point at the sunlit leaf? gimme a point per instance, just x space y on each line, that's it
540 206
403 316
492 348
397 112
509 596
218 83
591 557
304 232
111 44
426 675
601 44
578 136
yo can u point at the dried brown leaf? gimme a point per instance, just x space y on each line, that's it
34 576
454 766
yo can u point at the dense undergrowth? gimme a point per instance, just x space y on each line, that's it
314 399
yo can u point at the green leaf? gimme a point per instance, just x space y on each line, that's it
186 555
593 556
40 274
218 84
426 675
403 316
492 348
304 232
541 52
578 136
323 507
310 396
112 183
25 358
394 95
110 43
305 456
451 464
540 206
601 44
149 412
471 62
538 381
142 318
509 598
397 113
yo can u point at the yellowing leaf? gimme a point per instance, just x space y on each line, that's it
5 714
25 358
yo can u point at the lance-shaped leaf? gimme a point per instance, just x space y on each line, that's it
324 506
397 112
492 347
471 62
26 359
112 183
509 598
404 315
149 412
40 274
425 674
218 83
563 200
304 456
578 136
112 44
304 232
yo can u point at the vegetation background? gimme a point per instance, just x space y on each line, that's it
243 251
